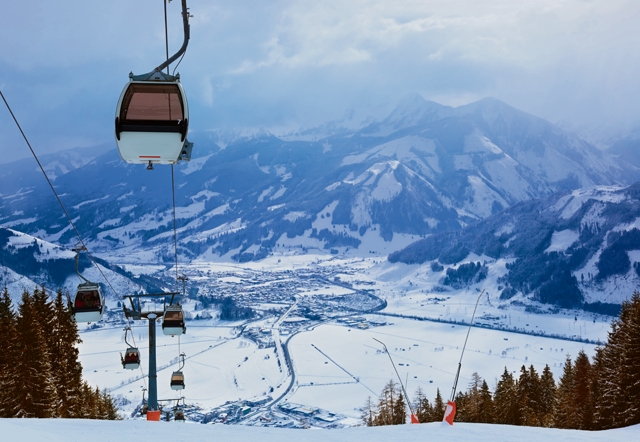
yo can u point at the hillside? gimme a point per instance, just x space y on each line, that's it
573 249
424 169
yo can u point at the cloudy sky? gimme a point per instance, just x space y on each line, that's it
282 64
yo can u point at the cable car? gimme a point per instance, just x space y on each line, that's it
88 303
177 380
179 415
131 360
173 321
152 120
152 115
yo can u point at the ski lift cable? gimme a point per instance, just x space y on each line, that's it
57 197
64 209
173 187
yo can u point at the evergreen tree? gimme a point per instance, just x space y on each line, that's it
35 392
582 392
486 414
367 413
423 408
506 401
8 358
599 422
111 407
385 410
67 373
547 397
399 410
565 415
619 370
438 408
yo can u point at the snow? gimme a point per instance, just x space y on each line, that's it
77 206
110 223
293 216
279 193
195 164
83 430
561 241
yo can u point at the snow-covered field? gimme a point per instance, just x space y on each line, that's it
72 430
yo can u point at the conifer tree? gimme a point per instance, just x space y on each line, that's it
438 408
67 369
423 408
8 357
367 413
547 397
506 401
399 410
35 392
582 392
565 415
486 414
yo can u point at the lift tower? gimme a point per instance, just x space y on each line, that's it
136 313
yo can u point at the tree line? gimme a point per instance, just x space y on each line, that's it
596 394
40 375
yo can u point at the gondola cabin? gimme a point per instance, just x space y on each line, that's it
179 415
131 359
177 381
152 120
88 303
173 321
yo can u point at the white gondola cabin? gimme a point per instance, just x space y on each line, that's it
88 303
173 321
131 360
152 120
177 381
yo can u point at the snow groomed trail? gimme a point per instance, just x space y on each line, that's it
75 430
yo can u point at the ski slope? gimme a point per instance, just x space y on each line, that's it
74 430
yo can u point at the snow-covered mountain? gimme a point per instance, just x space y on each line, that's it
424 169
573 249
26 261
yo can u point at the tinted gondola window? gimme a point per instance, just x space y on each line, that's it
174 316
88 299
152 102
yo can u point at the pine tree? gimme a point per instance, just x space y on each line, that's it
384 412
565 415
596 390
367 413
547 397
486 414
399 410
423 408
35 392
111 407
526 402
619 370
438 408
582 392
506 401
67 369
8 357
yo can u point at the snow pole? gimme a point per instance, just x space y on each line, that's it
450 411
414 418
